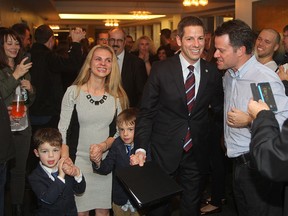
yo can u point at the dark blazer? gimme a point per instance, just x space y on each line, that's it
55 197
116 158
163 119
46 77
7 148
134 77
269 149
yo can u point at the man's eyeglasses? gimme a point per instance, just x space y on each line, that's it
285 36
103 39
113 40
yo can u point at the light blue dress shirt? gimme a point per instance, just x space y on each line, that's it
238 93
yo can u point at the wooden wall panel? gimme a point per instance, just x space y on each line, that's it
270 14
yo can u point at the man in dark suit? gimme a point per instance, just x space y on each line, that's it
7 149
132 68
269 145
164 120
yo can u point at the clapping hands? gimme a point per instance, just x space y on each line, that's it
77 34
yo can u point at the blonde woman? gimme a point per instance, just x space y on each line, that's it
98 96
145 49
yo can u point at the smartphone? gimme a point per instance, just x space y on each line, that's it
28 60
264 92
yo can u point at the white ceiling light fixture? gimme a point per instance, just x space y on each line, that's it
188 3
111 23
106 16
142 15
54 27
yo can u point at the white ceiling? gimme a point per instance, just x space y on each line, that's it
49 9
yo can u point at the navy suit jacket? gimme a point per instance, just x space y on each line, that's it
163 119
55 197
116 158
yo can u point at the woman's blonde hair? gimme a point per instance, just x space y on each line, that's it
112 82
152 49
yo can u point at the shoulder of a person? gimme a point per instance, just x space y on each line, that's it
72 92
132 57
117 142
37 172
210 65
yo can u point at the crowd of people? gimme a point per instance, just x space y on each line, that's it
184 106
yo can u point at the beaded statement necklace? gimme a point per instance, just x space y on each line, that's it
95 102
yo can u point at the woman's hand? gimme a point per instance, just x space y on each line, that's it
96 153
26 84
22 69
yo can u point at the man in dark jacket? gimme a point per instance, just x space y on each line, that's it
269 146
6 149
46 74
132 68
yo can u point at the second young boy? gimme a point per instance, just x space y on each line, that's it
119 157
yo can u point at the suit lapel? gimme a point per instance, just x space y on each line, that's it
124 66
177 74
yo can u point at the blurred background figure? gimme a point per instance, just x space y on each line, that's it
161 53
24 32
129 43
102 38
144 48
165 40
173 43
207 52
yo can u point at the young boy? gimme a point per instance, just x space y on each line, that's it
119 156
55 180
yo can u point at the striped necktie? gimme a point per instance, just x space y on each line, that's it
55 174
190 95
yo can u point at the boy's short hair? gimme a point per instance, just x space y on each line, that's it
47 135
127 116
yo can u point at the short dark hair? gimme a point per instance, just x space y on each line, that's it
166 33
127 116
129 36
20 28
240 34
47 135
43 33
285 28
188 21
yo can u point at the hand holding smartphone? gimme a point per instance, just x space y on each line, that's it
264 92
